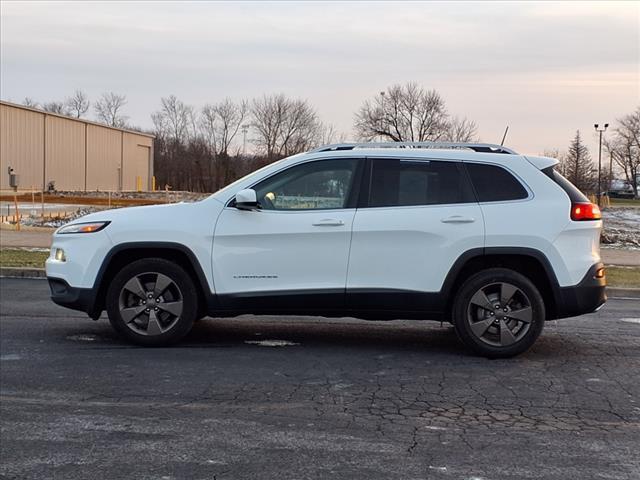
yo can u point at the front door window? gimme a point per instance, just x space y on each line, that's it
321 185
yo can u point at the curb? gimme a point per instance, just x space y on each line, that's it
20 272
623 292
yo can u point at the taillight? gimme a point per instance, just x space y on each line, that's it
585 211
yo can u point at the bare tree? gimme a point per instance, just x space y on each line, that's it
268 113
284 126
405 113
109 107
219 125
179 154
221 122
30 102
328 134
461 130
174 120
55 107
300 129
560 156
577 166
77 104
624 148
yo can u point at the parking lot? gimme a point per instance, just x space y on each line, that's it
337 398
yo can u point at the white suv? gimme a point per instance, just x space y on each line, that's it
475 234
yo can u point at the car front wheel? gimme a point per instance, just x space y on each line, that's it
152 302
498 313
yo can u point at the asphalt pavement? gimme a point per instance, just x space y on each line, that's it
310 398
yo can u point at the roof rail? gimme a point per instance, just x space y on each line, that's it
476 147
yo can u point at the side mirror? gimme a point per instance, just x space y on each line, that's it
246 199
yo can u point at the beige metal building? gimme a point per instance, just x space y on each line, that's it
76 154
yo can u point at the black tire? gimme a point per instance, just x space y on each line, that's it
160 312
501 332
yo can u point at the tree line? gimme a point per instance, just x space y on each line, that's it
206 147
620 149
108 108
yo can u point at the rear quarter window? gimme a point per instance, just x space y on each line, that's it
575 195
495 184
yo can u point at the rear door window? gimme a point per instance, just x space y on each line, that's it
399 183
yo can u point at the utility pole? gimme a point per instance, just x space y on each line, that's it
600 131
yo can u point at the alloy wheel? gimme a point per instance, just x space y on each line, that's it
499 314
150 303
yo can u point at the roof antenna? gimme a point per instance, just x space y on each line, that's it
504 136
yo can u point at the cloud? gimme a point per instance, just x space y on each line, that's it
495 62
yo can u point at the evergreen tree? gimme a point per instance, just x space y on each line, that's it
577 165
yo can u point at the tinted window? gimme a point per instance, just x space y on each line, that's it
404 183
315 185
494 184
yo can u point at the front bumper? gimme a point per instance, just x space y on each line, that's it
75 298
585 297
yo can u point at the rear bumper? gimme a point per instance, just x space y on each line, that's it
75 298
585 297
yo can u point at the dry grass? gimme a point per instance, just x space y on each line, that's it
19 257
623 277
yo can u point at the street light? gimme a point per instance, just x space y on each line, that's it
382 116
245 129
600 131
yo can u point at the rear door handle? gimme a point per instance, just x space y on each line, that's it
328 222
458 219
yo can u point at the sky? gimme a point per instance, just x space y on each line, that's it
545 69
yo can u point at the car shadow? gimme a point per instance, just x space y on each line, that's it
326 332
333 333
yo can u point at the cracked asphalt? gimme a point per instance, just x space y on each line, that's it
342 399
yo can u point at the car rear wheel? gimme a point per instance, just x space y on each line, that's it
498 313
152 302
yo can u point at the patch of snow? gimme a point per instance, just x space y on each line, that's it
58 222
621 227
440 469
10 357
271 343
83 338
630 320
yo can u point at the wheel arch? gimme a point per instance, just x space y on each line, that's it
529 262
125 253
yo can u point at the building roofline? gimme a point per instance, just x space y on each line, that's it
81 120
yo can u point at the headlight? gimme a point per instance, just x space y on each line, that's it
83 227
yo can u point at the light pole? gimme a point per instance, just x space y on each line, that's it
245 129
382 116
610 170
600 131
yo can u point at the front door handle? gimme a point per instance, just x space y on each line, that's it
458 219
328 222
